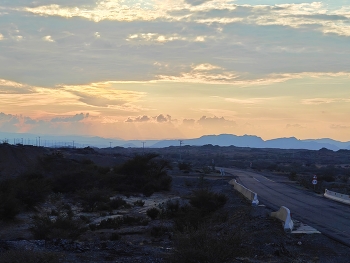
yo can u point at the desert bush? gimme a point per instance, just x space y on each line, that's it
110 223
29 256
9 206
170 208
32 189
206 245
153 213
139 203
62 226
207 201
117 222
158 231
22 193
143 173
116 203
293 176
185 166
134 220
114 237
94 199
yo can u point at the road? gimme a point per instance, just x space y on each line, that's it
329 217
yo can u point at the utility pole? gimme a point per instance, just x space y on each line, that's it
39 141
143 147
181 141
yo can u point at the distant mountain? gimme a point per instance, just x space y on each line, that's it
251 141
257 142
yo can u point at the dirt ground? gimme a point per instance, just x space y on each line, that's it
263 237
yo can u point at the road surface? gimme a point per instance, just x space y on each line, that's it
329 217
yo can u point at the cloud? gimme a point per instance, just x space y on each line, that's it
161 118
12 87
247 101
314 16
2 37
196 2
159 38
316 101
143 118
189 122
48 39
213 121
75 118
102 94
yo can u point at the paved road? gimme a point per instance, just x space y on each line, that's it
329 217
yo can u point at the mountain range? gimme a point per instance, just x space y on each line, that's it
251 141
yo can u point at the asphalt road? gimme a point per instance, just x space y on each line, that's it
327 216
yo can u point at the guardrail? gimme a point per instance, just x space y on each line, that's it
337 197
250 195
284 214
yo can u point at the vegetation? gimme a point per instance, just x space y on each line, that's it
29 256
62 226
22 193
143 173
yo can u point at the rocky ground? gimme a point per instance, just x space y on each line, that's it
261 237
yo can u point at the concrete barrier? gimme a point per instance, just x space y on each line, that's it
250 195
337 197
284 214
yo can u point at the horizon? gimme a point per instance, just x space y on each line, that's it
155 70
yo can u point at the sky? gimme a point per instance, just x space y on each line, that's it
175 69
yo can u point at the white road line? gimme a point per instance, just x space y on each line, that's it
268 179
256 179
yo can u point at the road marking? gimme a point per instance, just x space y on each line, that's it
256 179
268 179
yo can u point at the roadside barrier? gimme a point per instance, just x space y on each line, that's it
250 195
284 214
337 197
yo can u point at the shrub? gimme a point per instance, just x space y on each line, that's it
93 199
9 206
63 226
185 166
207 201
116 203
114 237
139 203
29 256
153 213
158 231
206 245
117 222
143 173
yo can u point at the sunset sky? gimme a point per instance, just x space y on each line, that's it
156 69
